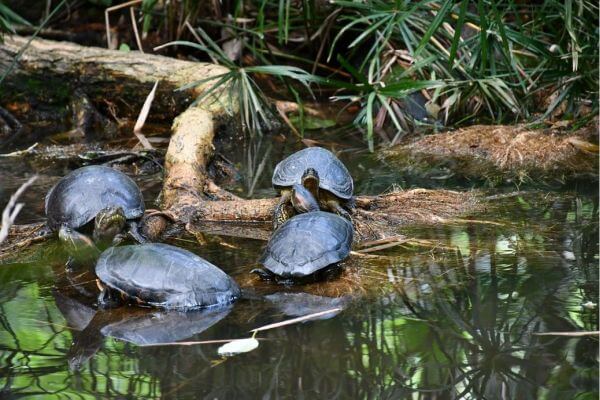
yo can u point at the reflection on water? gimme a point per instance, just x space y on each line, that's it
456 319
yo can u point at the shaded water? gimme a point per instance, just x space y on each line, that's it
456 317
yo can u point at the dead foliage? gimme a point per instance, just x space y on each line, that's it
377 217
511 150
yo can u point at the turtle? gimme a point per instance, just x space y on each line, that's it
95 193
322 173
307 243
163 276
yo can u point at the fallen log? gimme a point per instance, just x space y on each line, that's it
121 78
374 217
187 191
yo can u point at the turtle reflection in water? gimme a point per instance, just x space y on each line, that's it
299 304
319 171
142 328
160 275
95 194
308 244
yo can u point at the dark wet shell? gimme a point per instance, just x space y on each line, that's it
333 175
165 276
307 243
78 197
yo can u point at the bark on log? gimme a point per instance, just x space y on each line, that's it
374 217
124 78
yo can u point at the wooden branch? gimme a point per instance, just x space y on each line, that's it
374 217
120 77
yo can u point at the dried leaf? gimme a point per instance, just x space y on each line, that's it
238 346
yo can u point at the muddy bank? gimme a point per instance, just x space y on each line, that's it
501 153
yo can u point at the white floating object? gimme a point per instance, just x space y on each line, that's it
238 346
590 305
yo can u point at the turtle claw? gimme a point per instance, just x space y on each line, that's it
262 274
134 232
339 210
106 300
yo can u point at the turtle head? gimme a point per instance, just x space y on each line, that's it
310 180
109 222
303 200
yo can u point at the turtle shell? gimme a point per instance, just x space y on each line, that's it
165 276
307 243
333 175
78 197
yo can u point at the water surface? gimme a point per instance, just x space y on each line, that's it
455 317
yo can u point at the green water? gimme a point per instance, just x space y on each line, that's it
455 317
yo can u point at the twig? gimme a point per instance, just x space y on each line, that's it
135 29
572 334
13 208
139 124
382 241
190 343
20 152
383 246
114 8
295 320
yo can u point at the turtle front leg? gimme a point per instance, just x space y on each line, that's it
281 213
71 265
134 232
263 274
106 298
335 206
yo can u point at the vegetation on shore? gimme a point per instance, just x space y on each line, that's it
403 63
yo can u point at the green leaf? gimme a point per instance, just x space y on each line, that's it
369 116
458 31
483 36
348 67
406 86
437 21
10 16
310 122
